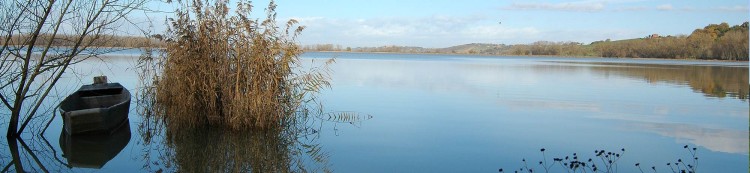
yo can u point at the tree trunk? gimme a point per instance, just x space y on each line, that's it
13 124
13 147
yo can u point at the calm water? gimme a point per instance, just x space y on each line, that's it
445 113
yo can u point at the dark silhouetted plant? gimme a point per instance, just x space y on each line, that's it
604 161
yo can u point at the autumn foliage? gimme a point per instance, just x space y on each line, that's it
712 42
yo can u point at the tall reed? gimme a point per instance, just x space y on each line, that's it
226 69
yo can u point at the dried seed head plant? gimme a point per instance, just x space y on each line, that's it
227 69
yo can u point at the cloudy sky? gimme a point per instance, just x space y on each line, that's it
443 23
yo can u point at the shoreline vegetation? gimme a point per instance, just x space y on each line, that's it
713 42
532 56
111 41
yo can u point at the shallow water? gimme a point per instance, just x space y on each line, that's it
455 113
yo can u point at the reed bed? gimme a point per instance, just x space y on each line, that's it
226 69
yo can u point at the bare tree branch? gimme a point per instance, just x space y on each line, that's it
31 63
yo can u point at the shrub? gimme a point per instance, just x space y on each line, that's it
225 69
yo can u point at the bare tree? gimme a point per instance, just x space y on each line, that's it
32 62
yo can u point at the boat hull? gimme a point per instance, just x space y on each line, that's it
95 109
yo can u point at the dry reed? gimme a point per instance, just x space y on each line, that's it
225 69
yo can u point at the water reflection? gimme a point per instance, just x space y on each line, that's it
711 80
207 149
93 151
247 151
89 151
35 156
474 77
566 103
15 156
345 117
292 148
721 140
477 113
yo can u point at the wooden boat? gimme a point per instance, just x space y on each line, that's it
97 108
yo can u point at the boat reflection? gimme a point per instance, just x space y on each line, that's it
93 151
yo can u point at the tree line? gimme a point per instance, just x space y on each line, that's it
103 40
715 41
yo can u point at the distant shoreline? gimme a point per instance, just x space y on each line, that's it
712 42
557 56
458 54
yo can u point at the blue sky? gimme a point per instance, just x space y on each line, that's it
443 23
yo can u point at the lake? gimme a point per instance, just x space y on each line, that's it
444 113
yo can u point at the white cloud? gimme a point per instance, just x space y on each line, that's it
616 5
727 9
730 9
635 8
665 7
440 31
379 31
737 8
495 31
433 31
587 6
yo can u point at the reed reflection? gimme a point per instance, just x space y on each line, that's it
293 147
211 149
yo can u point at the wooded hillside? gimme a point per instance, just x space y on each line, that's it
715 41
